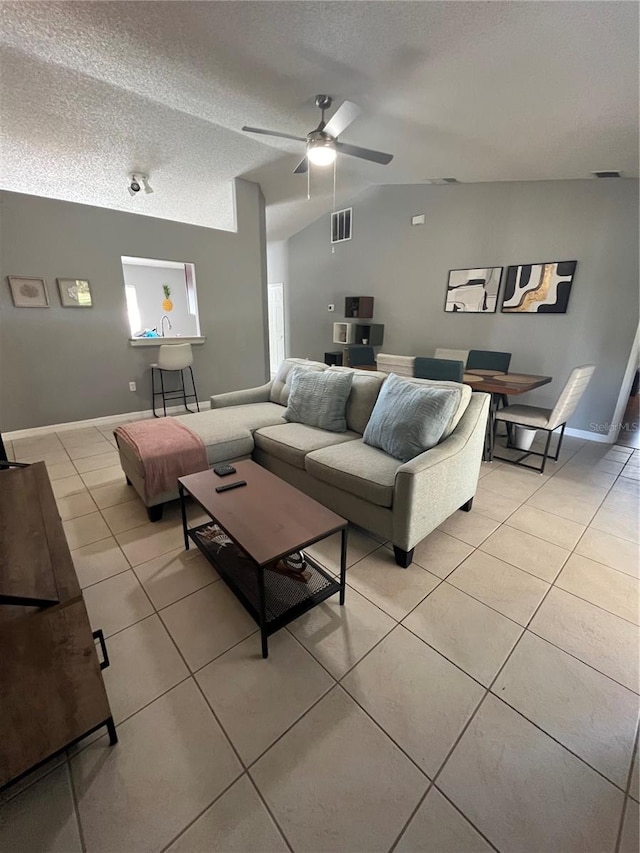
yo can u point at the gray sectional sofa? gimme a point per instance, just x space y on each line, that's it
400 501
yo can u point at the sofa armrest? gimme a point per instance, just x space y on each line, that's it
433 485
261 394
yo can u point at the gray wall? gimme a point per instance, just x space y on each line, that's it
472 225
61 364
148 282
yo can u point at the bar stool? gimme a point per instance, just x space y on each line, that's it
173 357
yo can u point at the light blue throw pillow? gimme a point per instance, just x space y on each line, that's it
408 419
319 399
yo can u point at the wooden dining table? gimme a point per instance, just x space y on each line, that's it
500 385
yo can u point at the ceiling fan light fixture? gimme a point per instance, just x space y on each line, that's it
321 152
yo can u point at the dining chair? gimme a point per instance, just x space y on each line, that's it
547 420
438 368
401 365
178 358
452 354
480 359
359 355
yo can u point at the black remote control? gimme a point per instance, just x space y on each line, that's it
228 486
224 470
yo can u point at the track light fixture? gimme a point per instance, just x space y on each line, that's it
138 183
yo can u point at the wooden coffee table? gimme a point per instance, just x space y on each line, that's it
267 519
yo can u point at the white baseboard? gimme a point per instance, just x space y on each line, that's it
32 432
603 438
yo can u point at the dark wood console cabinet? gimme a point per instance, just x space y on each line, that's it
51 688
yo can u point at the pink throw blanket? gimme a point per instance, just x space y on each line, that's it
167 450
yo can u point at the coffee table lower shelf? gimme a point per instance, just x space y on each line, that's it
271 598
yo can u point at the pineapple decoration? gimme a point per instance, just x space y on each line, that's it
167 304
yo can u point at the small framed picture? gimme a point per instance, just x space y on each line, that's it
28 292
75 293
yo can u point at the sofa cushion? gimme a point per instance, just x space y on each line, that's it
319 399
292 442
280 385
408 419
357 468
228 433
365 388
465 396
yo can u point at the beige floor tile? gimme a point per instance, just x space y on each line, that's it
468 633
585 474
42 818
144 664
339 636
630 838
51 457
510 591
67 486
85 529
126 516
626 486
327 551
609 520
257 700
545 525
513 483
28 780
117 493
524 791
103 477
94 463
150 540
171 762
440 553
605 587
174 575
437 827
566 506
98 561
76 505
469 527
530 553
611 551
207 623
58 470
493 505
317 806
116 603
587 712
395 590
84 451
236 823
416 696
594 636
81 435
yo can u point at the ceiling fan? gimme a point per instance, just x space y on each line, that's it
322 143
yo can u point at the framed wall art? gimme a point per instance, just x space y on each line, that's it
473 291
75 292
538 288
28 292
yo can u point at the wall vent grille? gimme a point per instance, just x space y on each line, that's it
341 222
608 173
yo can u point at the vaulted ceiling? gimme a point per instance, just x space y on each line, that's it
482 91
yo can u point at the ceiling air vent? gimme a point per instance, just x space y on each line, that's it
607 173
341 225
441 181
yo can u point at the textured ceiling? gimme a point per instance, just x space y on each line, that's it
482 91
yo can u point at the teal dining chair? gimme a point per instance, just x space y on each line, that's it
438 368
480 359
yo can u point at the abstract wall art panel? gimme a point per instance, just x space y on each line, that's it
538 288
473 291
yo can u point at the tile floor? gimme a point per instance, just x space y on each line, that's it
485 698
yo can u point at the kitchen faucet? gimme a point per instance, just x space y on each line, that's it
162 325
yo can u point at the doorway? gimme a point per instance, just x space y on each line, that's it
277 347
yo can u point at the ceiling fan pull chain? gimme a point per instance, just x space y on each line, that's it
335 166
308 183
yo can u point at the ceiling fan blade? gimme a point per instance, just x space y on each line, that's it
364 153
342 118
274 133
302 166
